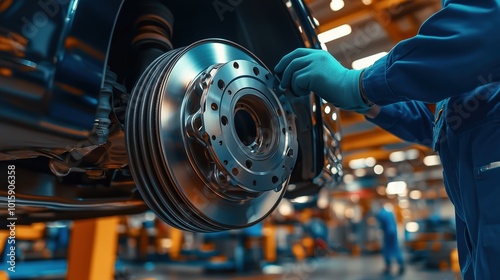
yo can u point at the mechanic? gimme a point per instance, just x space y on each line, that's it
453 61
390 243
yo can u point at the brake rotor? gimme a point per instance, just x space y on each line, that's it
211 142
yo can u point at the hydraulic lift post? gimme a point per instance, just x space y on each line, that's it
92 249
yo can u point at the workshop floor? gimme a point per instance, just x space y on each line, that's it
339 267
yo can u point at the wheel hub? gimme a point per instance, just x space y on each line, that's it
211 142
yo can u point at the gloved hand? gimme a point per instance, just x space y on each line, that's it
306 70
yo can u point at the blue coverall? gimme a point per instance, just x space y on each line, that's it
390 246
454 61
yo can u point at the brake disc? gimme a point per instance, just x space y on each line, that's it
211 142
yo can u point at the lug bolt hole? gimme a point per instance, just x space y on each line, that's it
236 65
221 84
214 106
275 179
256 71
235 171
249 164
224 120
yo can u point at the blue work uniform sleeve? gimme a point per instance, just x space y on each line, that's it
397 118
455 51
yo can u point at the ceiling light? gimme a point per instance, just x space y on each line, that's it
337 5
380 190
323 198
367 61
370 161
415 194
367 2
348 178
412 227
396 187
316 21
334 116
397 156
378 169
406 213
432 160
412 154
349 213
352 187
338 208
328 109
149 216
404 204
301 199
335 33
391 172
360 172
285 208
357 163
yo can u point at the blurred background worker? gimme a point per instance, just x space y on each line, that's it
453 61
390 244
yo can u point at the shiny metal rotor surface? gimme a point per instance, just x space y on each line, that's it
211 141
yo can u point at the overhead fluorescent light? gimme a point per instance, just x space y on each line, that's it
378 169
337 5
432 160
412 154
285 208
412 227
348 178
404 203
391 172
301 199
415 194
370 161
367 61
316 21
334 116
328 109
397 156
360 172
396 187
357 163
335 33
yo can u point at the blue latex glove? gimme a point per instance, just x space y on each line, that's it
306 70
